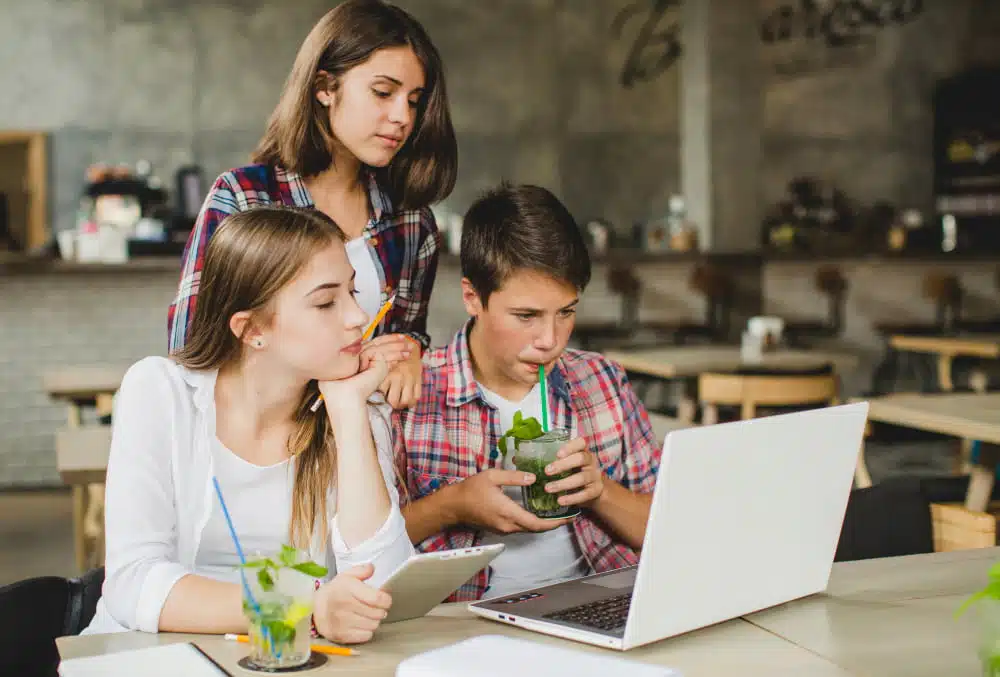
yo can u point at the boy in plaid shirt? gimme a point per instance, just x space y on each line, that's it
524 265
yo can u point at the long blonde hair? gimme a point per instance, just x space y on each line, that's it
251 257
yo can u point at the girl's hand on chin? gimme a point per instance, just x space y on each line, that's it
356 389
394 348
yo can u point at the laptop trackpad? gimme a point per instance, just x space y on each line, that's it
622 579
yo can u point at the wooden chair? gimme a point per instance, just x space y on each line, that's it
832 284
748 391
82 461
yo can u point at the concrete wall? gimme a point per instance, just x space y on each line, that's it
536 90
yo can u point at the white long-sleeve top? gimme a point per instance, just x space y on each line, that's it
160 497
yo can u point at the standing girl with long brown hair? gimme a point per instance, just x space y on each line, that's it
361 132
277 324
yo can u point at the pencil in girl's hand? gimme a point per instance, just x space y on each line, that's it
364 337
378 318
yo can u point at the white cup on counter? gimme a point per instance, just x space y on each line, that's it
66 241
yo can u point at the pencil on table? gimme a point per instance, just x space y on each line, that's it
364 337
318 648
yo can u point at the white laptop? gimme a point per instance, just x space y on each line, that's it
745 516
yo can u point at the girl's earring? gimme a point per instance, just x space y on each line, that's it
258 343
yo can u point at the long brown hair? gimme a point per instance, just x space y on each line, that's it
299 137
249 259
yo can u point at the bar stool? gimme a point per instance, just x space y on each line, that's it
598 336
829 282
718 289
945 292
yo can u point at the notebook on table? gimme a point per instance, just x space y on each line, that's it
168 660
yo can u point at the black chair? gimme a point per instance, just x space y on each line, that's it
893 517
34 612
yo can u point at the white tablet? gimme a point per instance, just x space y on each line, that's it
425 580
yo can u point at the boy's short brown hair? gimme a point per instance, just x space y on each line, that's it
521 227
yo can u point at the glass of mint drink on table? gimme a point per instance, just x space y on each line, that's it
280 610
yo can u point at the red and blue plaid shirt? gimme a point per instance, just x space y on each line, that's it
406 244
452 432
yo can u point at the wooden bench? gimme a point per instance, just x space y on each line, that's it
82 461
82 387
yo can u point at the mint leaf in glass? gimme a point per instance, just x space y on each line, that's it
311 569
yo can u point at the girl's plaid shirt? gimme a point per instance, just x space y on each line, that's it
405 245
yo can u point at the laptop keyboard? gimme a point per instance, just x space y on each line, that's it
604 614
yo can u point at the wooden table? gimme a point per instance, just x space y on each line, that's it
81 387
687 361
974 416
947 348
889 617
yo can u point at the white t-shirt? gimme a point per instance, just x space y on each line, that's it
366 281
259 499
160 499
529 560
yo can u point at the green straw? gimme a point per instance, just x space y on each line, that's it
545 398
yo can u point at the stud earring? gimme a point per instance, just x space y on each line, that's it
258 343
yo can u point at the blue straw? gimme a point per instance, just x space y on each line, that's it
239 553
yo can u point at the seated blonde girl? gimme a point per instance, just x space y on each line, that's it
276 324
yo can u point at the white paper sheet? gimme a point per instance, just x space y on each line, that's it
170 660
500 656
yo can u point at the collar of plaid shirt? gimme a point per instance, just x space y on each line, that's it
445 444
298 194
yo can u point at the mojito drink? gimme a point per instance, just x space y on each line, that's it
533 456
279 620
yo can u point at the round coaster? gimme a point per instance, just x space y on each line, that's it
315 661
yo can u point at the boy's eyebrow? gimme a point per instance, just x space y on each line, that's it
528 309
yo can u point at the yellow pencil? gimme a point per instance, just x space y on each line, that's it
378 318
364 337
318 648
